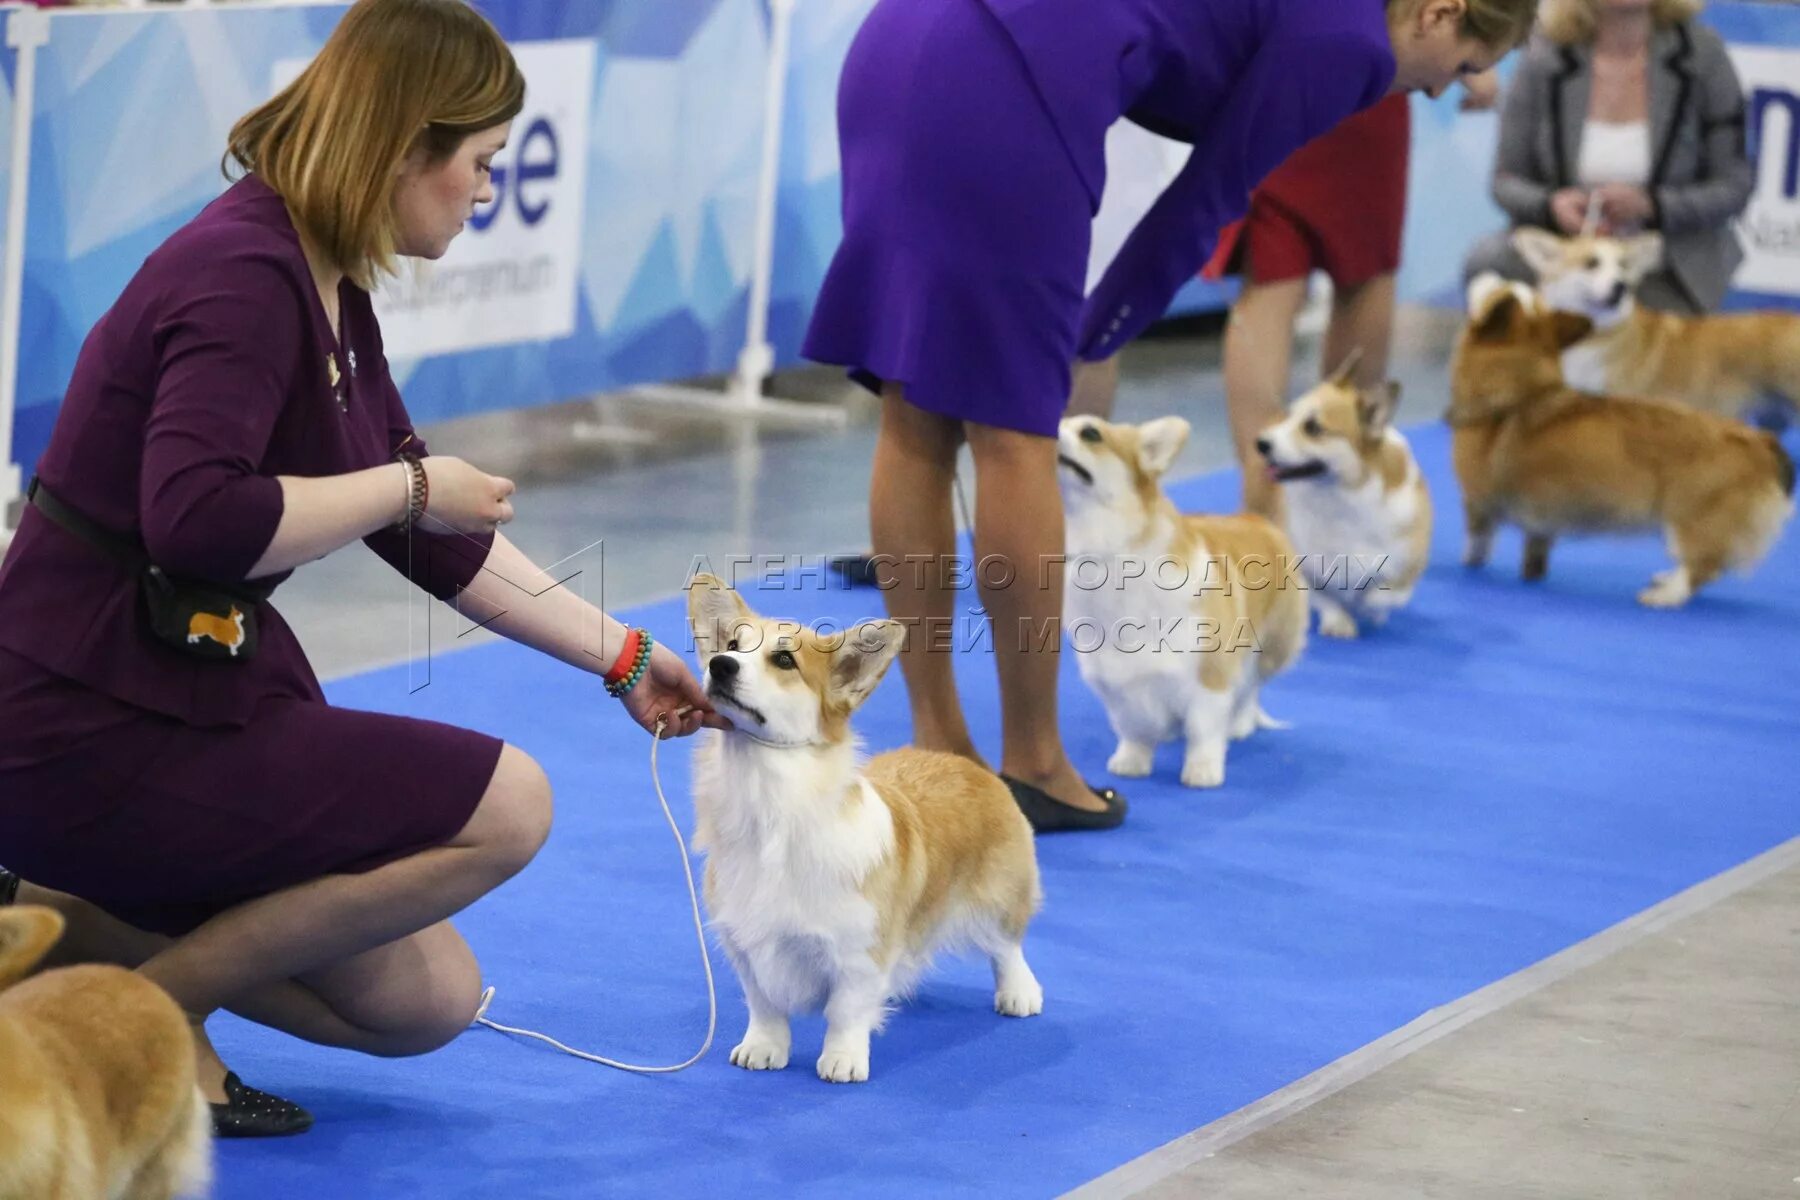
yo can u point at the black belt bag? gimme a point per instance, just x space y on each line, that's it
206 620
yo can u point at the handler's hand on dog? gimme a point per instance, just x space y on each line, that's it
464 497
666 690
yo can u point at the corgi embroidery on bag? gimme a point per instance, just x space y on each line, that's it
227 631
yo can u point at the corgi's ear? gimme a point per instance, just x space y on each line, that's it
1643 254
715 613
1541 249
1481 289
27 931
1495 322
1159 441
861 658
1568 328
1376 407
1345 375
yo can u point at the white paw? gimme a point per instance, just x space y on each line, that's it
1668 589
1243 725
760 1054
1336 623
844 1066
1020 1000
1203 770
1131 761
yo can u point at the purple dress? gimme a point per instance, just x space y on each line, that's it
973 135
162 787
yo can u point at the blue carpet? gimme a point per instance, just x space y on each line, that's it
1504 771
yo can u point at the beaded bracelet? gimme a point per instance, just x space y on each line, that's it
418 490
634 660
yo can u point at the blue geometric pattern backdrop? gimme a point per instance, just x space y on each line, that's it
624 258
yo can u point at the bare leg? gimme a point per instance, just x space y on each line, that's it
914 535
359 961
1362 317
1019 521
1096 389
1258 357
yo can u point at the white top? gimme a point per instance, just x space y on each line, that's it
1615 153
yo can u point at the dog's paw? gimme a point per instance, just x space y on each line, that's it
1668 589
1026 1000
1203 770
760 1054
1131 761
1336 623
844 1066
1475 554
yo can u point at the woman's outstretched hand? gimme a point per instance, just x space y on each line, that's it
669 690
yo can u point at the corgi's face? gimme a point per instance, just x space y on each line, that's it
1508 350
780 681
1593 276
1330 433
1118 468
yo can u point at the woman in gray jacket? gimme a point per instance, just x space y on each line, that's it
1633 108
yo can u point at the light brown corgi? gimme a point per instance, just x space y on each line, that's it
1532 451
832 881
1177 621
1734 364
98 1097
1355 503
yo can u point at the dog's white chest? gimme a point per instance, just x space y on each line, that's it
1352 538
1584 366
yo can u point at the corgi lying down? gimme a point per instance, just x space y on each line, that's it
1735 364
1356 503
97 1091
832 881
1530 450
1189 615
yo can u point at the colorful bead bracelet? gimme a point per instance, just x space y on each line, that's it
633 661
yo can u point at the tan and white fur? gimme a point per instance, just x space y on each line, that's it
1732 364
98 1097
1227 585
831 881
1354 501
1532 451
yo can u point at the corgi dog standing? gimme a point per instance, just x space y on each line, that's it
1530 450
1353 498
1732 364
1191 614
98 1099
832 881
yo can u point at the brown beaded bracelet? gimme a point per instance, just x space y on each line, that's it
418 490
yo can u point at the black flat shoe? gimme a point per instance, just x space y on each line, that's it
857 569
9 887
1050 815
248 1113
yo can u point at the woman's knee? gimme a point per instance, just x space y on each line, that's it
920 433
512 821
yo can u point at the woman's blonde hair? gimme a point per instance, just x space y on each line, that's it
1573 22
394 77
1497 24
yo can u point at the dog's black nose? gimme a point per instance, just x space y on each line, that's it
723 668
1264 447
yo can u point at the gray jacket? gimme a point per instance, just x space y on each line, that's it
1701 175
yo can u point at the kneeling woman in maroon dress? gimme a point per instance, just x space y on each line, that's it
171 776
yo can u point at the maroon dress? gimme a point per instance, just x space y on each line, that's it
163 787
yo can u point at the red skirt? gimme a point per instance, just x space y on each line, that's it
1337 204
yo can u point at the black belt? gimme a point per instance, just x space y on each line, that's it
127 553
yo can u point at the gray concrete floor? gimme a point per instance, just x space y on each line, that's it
1671 1069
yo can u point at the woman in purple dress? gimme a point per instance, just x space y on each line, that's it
973 136
212 821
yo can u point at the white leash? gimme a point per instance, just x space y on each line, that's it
712 994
